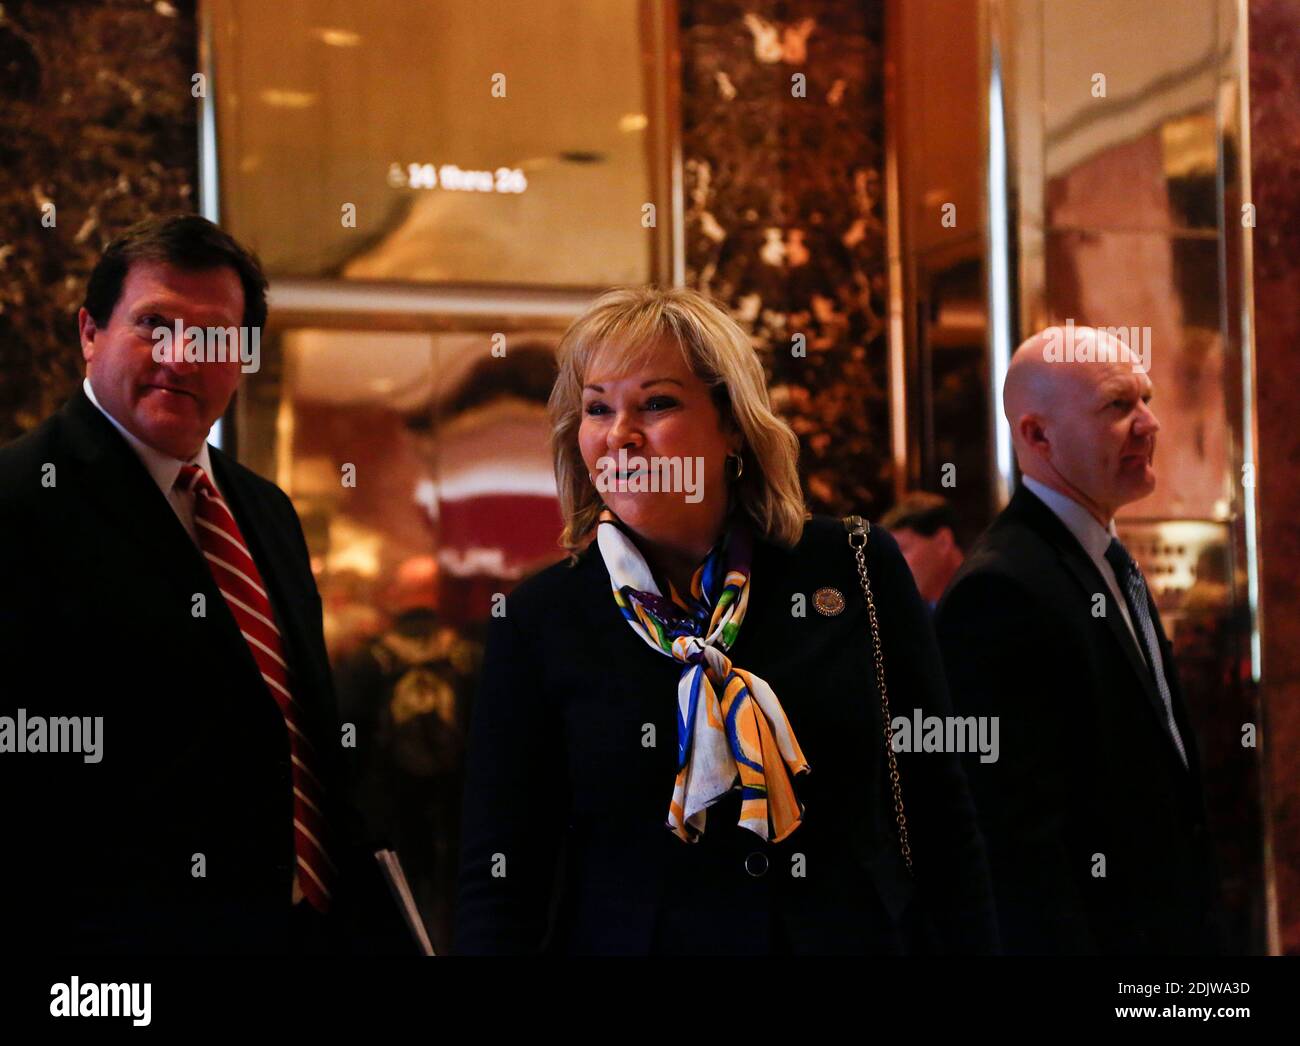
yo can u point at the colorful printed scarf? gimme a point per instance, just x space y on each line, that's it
741 736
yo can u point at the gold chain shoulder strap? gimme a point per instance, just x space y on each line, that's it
859 531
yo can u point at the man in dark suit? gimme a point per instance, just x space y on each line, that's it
1093 813
168 737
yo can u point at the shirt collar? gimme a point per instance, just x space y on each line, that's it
162 467
1094 538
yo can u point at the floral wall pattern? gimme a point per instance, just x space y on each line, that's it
782 135
97 122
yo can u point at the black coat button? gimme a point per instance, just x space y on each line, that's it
756 864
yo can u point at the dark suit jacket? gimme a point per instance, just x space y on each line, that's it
562 789
1087 766
97 586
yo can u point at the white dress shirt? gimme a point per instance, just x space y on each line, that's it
163 468
1094 538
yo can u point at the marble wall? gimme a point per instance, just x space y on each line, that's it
97 130
782 142
1275 187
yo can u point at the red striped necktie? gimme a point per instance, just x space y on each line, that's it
241 584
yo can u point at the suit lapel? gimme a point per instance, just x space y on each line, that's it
127 497
1090 580
1084 571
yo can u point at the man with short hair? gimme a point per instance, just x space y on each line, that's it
1093 813
925 528
153 586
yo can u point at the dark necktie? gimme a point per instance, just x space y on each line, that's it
1134 587
241 583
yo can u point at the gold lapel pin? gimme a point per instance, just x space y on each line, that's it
828 601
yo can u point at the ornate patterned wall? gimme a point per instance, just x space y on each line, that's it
96 118
785 222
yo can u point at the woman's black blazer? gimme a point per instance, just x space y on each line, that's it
572 760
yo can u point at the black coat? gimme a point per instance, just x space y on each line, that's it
564 790
97 586
1087 766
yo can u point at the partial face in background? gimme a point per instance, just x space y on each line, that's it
168 406
659 410
930 558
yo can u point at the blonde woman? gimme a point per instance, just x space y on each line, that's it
677 746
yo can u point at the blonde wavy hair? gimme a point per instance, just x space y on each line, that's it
633 321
